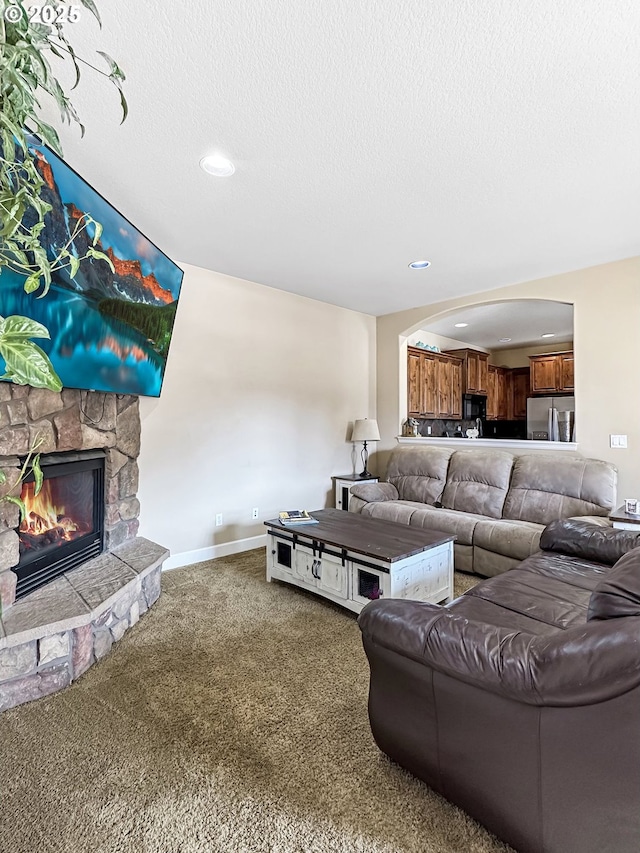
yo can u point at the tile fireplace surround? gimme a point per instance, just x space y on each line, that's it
54 634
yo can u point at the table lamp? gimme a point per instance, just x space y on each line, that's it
365 430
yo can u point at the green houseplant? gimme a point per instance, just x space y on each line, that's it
27 41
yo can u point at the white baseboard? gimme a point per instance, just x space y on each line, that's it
186 558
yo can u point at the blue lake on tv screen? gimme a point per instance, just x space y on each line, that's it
86 349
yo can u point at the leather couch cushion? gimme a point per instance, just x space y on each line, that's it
478 481
578 538
547 486
543 598
618 594
419 476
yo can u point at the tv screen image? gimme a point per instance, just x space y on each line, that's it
110 331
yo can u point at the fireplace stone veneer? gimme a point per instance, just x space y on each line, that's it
55 633
69 420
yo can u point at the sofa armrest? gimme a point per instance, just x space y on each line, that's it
577 537
372 492
580 666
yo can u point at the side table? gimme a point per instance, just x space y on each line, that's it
343 483
625 521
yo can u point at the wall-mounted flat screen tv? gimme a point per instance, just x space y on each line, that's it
110 329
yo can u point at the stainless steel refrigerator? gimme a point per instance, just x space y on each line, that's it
551 418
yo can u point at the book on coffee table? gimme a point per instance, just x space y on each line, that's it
296 516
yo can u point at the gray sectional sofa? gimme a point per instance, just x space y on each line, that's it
496 503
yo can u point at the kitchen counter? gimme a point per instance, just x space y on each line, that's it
505 443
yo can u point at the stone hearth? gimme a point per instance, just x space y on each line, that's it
50 637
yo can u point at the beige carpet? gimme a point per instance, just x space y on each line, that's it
231 718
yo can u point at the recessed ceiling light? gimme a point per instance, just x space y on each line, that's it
548 335
460 325
419 265
215 164
504 340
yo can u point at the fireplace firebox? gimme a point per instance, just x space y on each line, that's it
64 523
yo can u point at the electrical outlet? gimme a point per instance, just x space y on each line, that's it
218 519
254 512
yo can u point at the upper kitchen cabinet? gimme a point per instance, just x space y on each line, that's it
433 384
566 372
552 373
474 370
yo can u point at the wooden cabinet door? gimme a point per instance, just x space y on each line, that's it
473 377
456 389
492 393
444 387
501 384
483 376
430 385
520 381
414 384
566 371
544 374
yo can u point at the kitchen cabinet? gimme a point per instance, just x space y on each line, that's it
497 393
474 370
518 382
434 387
551 373
566 372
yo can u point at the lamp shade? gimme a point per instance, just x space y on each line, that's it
365 430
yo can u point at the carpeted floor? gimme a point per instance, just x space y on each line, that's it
231 718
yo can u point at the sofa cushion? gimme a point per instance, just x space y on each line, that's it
478 481
516 539
529 593
458 524
579 538
618 594
375 492
400 511
547 486
419 473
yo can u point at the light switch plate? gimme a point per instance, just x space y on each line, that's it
619 441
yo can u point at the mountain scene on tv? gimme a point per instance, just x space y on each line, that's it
110 328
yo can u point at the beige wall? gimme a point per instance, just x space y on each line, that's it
259 392
606 303
519 356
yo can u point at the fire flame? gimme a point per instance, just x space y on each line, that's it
43 515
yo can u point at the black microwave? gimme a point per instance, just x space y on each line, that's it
474 406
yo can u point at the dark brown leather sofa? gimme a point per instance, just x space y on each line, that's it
520 700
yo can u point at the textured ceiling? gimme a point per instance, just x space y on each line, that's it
499 140
522 321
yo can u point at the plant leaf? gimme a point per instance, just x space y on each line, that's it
124 105
17 328
115 72
3 478
32 283
19 503
91 6
100 256
27 364
37 474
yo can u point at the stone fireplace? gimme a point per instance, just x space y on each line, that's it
55 623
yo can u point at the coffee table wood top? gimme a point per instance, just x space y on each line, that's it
372 537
